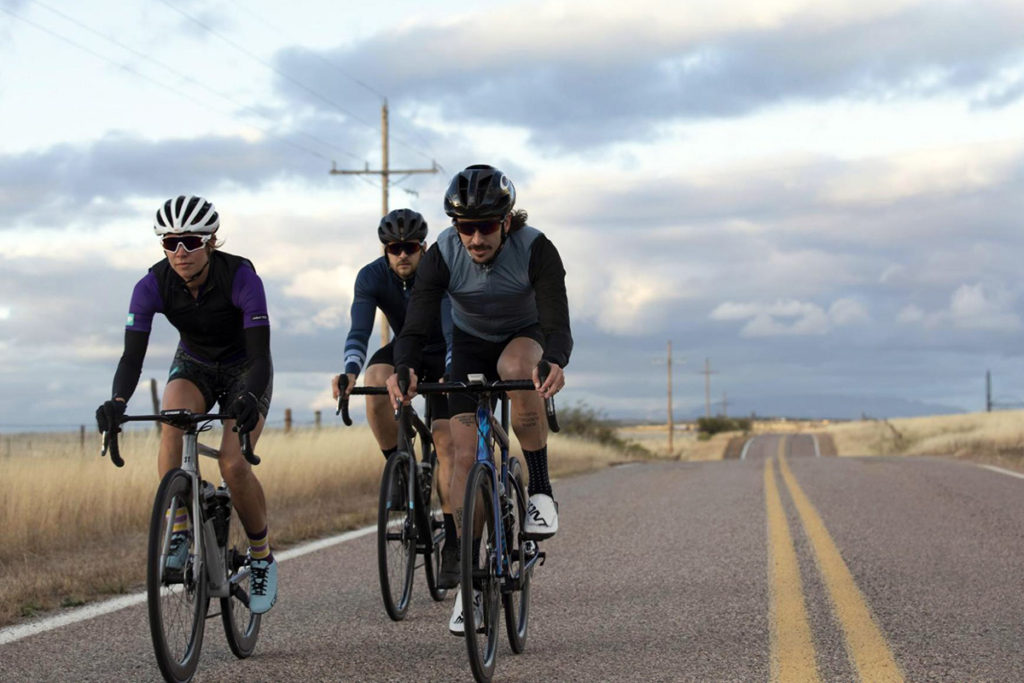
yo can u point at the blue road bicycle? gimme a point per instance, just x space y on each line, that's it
497 559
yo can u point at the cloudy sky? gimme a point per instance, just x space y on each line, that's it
825 199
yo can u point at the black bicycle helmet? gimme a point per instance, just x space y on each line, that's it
186 213
479 192
402 225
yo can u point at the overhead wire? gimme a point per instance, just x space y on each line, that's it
276 31
139 74
183 76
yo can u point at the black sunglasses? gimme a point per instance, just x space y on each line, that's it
399 248
190 242
467 228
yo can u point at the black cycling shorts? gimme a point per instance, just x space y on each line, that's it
431 370
219 383
473 355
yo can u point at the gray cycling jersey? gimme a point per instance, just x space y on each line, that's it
495 300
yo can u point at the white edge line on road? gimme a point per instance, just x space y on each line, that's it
746 445
1000 470
817 451
15 633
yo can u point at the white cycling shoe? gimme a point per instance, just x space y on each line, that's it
541 517
457 624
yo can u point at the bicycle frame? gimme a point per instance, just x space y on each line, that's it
208 555
490 427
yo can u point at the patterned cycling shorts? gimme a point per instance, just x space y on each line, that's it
219 383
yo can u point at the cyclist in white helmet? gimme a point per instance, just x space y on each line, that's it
217 303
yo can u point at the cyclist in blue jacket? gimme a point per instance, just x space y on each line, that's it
217 303
386 283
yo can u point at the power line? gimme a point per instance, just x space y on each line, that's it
265 63
276 31
184 76
143 76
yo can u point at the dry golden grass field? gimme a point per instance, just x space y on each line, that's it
75 526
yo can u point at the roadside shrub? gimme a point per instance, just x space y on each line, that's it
710 426
583 422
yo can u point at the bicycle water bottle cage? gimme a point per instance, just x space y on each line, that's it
476 378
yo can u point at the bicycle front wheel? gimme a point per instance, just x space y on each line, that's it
431 540
517 600
241 626
176 587
396 536
480 589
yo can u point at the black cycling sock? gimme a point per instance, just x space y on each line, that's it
388 451
537 465
450 533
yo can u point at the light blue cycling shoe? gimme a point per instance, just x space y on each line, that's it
177 552
262 585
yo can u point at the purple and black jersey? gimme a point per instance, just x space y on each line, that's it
226 323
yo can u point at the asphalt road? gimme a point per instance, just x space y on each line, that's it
780 565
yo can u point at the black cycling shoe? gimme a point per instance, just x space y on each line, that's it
450 569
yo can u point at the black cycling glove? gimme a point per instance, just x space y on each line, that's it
108 415
246 411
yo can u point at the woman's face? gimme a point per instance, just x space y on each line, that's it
184 262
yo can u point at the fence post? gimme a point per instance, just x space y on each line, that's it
81 437
316 419
287 420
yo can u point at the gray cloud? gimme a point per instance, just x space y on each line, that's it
611 89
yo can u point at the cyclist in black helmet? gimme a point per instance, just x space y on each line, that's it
386 283
509 310
217 303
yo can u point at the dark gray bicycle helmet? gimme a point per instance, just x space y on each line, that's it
479 192
402 225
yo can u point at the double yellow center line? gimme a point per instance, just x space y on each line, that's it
792 646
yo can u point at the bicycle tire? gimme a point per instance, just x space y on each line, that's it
435 535
241 626
177 600
478 572
396 539
516 601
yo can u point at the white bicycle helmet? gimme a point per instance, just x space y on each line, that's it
186 213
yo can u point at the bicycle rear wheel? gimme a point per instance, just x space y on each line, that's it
177 597
516 601
241 627
479 577
431 540
396 537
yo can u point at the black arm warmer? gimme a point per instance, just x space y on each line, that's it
257 349
424 308
126 378
548 278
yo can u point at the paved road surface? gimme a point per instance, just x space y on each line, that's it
781 565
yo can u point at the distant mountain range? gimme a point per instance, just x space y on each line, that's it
836 407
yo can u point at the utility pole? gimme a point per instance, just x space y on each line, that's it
671 427
707 387
988 391
385 172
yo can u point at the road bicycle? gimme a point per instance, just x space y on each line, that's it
498 560
409 517
217 564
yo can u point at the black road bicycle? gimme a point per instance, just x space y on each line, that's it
409 517
217 564
498 561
